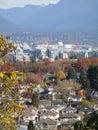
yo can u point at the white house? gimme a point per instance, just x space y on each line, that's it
74 98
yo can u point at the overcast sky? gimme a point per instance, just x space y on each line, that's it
20 3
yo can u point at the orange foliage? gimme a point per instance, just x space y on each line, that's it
33 78
46 62
81 93
84 63
21 106
8 67
67 66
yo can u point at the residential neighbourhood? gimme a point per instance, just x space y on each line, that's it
54 113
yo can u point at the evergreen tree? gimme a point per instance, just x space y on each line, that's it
93 76
35 99
84 80
72 73
31 125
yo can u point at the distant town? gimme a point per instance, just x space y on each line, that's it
54 46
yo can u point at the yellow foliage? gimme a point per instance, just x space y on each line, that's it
1 75
9 92
60 75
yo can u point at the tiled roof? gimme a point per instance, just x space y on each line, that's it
69 115
48 121
50 113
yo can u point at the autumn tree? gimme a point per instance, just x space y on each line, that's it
32 78
55 66
85 63
64 87
9 106
38 67
9 67
60 75
81 93
23 66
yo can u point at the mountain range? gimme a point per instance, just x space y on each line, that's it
66 14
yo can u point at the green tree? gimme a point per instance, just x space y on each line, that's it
72 73
80 125
93 76
84 80
88 97
31 125
35 99
90 124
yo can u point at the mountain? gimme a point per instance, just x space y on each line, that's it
66 14
7 26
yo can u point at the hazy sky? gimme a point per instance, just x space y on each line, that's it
20 3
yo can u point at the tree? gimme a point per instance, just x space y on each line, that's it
80 125
35 99
85 103
38 67
81 93
85 63
84 80
90 124
60 75
32 78
72 73
55 66
88 97
31 125
7 67
9 106
93 76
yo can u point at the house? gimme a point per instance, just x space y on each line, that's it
55 108
44 94
74 98
69 116
69 109
46 124
50 115
86 110
59 102
67 125
30 113
44 103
